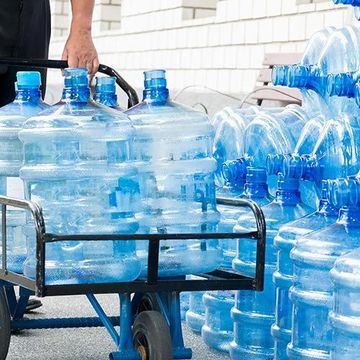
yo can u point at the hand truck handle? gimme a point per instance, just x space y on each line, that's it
62 64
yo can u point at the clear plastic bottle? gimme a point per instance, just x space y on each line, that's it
273 134
105 92
77 165
355 3
311 101
283 276
313 257
173 149
345 314
340 55
217 331
28 102
254 312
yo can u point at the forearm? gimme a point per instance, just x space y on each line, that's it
82 11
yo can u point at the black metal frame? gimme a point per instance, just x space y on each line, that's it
222 279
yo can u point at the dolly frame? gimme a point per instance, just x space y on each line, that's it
164 291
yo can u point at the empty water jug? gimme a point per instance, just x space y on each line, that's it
283 276
217 331
105 92
313 257
254 312
173 149
77 165
345 314
28 102
290 75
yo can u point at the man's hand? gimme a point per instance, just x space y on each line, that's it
79 49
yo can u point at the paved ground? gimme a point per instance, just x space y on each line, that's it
82 344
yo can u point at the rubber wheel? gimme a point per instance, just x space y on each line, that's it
148 302
5 331
151 336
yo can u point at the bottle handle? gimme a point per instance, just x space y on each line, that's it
62 64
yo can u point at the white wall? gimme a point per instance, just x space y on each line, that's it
222 48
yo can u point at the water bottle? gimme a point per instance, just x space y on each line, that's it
345 316
339 55
355 3
313 257
273 134
230 125
310 99
173 148
217 331
105 92
283 276
28 102
77 165
254 312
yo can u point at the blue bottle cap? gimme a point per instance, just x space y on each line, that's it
234 171
279 75
106 84
28 79
154 79
76 77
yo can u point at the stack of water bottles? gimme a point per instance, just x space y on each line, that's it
306 311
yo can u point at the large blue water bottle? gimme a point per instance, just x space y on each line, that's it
355 3
173 149
233 188
283 276
77 165
280 74
345 314
230 124
105 92
28 102
313 257
254 312
338 56
217 331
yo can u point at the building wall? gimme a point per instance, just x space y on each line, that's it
217 43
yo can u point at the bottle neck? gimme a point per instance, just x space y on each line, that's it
342 84
300 76
31 95
76 94
156 96
256 190
287 192
349 217
327 209
107 99
234 172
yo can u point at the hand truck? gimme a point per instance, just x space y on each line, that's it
149 319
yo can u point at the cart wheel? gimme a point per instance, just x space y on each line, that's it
148 302
5 331
151 336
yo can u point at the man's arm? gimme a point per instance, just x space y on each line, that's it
79 49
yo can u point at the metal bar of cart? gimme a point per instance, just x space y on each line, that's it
133 98
216 280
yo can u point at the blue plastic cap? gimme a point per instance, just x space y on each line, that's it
154 79
274 164
76 77
28 79
106 84
344 192
341 84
